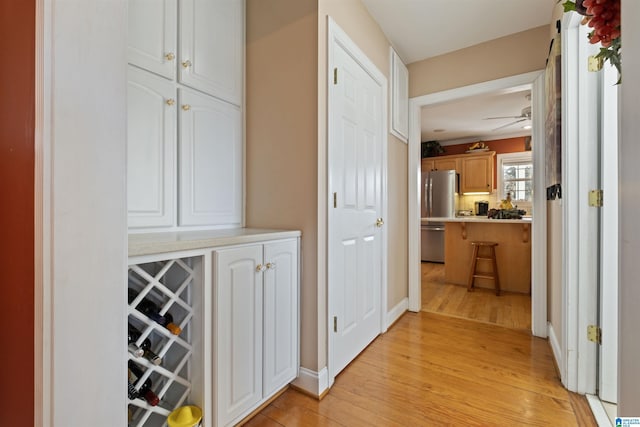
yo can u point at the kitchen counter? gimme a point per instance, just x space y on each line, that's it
155 243
525 220
513 252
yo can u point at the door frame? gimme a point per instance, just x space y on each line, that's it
335 36
539 228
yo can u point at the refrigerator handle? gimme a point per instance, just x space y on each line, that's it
429 196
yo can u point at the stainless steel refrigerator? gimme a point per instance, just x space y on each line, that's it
438 201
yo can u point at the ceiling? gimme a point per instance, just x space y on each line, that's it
420 29
465 120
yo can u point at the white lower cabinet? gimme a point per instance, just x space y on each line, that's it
255 325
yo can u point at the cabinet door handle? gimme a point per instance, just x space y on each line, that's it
186 64
170 56
186 107
171 101
260 268
271 265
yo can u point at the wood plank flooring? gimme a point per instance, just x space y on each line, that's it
510 309
434 370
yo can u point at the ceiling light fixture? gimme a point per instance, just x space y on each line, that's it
526 127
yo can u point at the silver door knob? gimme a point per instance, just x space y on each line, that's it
379 222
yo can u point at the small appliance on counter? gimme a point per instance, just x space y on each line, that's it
482 208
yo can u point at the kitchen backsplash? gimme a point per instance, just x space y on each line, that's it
466 203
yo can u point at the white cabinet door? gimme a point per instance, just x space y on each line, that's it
151 147
238 326
210 155
280 363
152 35
211 47
399 97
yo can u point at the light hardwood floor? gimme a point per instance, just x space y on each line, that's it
510 309
434 370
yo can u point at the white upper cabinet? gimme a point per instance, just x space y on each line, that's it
210 161
152 37
211 47
193 49
151 148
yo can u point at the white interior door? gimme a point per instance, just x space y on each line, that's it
355 185
608 366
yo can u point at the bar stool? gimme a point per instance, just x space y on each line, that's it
474 262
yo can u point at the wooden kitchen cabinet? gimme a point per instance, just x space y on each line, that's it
443 163
256 325
476 173
446 164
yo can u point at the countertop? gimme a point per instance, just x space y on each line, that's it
526 220
156 243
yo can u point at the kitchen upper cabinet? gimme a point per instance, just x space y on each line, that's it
210 168
445 164
152 35
256 325
151 149
477 173
441 164
197 47
211 47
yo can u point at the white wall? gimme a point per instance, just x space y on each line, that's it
86 135
629 314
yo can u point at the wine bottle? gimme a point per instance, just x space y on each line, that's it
133 348
144 391
152 311
145 347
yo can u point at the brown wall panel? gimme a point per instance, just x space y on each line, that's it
17 110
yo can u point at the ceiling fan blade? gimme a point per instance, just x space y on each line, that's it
503 117
508 124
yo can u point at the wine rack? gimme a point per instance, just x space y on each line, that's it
175 286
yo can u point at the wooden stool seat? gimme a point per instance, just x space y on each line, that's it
490 257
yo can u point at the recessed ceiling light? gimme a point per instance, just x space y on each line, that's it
438 130
526 127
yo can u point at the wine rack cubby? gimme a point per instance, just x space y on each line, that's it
175 286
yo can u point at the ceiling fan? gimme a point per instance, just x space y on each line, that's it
524 115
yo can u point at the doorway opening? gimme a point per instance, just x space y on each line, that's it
533 82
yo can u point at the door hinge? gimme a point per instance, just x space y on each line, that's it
335 76
335 323
596 198
335 200
595 63
594 334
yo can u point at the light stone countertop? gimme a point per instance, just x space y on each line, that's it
173 241
526 220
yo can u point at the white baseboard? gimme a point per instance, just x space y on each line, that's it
557 352
598 411
314 383
395 313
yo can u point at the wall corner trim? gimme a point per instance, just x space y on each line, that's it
557 353
394 314
312 382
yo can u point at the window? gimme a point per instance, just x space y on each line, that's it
515 176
